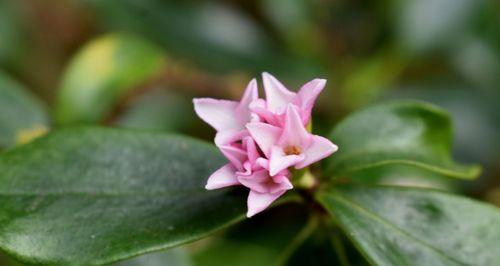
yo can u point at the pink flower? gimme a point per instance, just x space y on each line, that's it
278 97
262 139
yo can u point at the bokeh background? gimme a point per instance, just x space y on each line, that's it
138 64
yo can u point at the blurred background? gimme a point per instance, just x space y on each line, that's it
138 64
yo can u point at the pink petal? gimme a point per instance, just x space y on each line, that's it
247 169
220 114
259 107
229 136
262 162
257 181
251 149
307 96
235 155
223 177
277 95
251 94
294 133
319 148
285 184
279 161
258 202
265 135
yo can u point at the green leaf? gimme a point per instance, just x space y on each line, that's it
410 226
173 257
92 196
101 73
22 115
159 109
266 239
396 133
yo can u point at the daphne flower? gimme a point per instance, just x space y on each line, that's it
278 97
228 117
291 145
262 139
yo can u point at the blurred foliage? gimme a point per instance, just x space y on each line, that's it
137 63
22 115
101 73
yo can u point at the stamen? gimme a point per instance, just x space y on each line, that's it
292 150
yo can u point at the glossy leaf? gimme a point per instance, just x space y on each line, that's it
396 133
101 73
91 196
22 115
410 226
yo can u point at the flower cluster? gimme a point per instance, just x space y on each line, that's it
263 139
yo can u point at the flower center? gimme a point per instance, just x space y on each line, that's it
292 150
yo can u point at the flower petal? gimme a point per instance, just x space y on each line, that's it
258 202
235 155
277 95
307 96
229 136
223 177
284 184
294 133
259 107
279 161
251 149
319 148
258 181
220 114
251 94
265 135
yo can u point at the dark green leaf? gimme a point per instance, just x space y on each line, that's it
396 133
410 226
265 239
22 116
90 196
102 72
